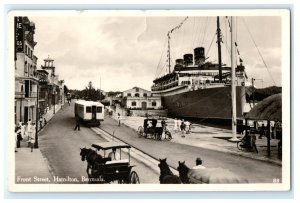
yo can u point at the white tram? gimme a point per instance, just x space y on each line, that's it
89 112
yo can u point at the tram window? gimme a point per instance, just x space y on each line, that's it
99 109
88 109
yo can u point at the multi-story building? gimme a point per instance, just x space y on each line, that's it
25 70
55 86
138 98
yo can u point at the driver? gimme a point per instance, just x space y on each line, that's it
114 155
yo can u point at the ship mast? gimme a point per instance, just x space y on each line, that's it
233 87
219 48
169 53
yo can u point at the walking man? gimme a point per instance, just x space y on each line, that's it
77 124
182 128
119 120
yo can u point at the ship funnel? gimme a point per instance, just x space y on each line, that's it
188 59
179 62
199 55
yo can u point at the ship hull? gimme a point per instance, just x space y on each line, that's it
210 103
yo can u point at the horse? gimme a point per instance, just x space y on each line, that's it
183 172
92 158
166 175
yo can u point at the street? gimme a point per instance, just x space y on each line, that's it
60 145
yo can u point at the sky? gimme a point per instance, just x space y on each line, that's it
128 51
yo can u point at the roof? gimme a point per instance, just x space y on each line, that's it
135 88
268 109
89 103
110 145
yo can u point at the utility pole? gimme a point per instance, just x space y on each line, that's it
253 96
100 88
233 88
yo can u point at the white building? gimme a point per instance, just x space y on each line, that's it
138 98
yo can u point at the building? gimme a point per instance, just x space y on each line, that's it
25 70
55 86
141 99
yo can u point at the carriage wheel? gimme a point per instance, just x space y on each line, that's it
140 131
240 147
169 136
134 178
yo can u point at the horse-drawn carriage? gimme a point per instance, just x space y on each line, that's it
154 129
102 169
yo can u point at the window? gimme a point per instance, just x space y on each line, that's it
153 103
128 95
133 103
88 109
137 95
137 89
99 109
145 94
25 49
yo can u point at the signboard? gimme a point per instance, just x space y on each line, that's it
19 37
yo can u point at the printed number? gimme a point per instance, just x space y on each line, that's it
276 180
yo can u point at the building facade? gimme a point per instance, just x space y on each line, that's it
36 91
138 98
25 70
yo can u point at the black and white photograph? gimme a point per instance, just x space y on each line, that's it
152 100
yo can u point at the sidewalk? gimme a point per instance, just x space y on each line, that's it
212 138
32 167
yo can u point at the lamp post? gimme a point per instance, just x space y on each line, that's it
36 143
54 93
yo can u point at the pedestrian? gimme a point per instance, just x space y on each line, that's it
32 136
16 138
199 164
23 130
187 127
119 120
19 137
182 128
77 124
175 125
163 123
45 121
41 123
262 131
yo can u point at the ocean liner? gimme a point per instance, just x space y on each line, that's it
200 89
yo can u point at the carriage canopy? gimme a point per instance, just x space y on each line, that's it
110 145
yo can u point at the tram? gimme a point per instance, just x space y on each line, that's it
89 112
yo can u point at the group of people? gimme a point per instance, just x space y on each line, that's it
183 126
27 132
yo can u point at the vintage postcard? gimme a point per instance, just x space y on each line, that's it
131 100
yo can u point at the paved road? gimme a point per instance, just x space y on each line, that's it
256 171
60 145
